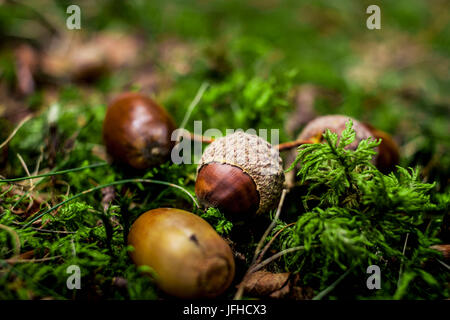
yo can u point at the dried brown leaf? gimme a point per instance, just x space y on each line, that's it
263 283
276 286
26 65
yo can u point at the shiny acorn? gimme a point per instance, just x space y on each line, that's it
137 131
188 256
387 152
241 175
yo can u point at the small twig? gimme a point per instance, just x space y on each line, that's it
7 191
263 252
443 263
43 176
292 144
240 290
52 231
193 104
24 165
271 226
186 134
107 185
21 123
274 257
196 137
95 165
401 265
39 160
13 260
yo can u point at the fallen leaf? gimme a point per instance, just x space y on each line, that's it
26 65
81 59
276 286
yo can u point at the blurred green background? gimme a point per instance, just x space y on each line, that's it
257 56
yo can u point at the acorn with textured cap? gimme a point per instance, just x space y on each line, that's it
241 175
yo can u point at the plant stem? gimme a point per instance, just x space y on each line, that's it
327 290
196 137
21 123
13 260
263 252
95 165
401 265
271 226
193 104
274 257
240 290
292 144
107 185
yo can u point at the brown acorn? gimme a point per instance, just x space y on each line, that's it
241 175
188 256
387 152
335 123
137 131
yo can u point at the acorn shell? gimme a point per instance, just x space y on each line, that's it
228 188
137 131
336 124
387 152
388 155
314 131
190 259
255 157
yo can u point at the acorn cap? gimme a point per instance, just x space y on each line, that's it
255 157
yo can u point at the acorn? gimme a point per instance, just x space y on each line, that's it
137 131
188 256
335 123
387 151
240 174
